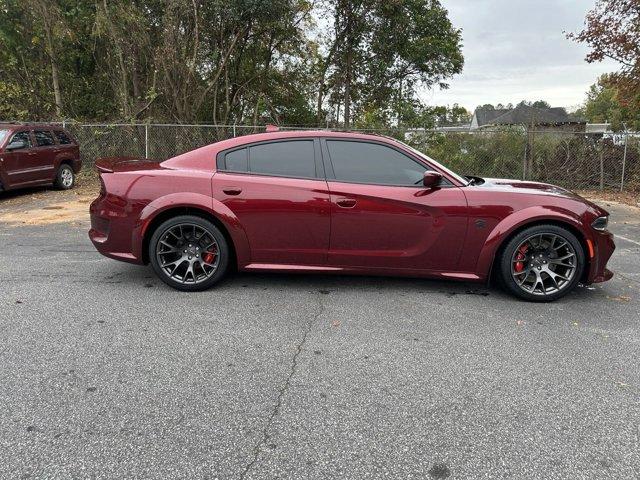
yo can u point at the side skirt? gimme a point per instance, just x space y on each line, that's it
285 268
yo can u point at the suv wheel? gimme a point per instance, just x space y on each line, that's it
189 253
65 179
542 263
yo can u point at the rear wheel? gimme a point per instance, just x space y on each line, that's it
65 178
542 263
189 253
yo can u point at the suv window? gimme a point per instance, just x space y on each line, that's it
63 138
291 159
22 136
44 138
362 162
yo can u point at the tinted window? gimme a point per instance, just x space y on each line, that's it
24 136
373 163
291 159
236 161
44 138
63 138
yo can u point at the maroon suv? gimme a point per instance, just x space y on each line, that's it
32 155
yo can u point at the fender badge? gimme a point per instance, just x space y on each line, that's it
481 223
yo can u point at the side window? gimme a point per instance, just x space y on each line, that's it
236 161
24 136
291 159
63 138
44 138
362 162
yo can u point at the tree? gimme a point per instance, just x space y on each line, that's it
535 104
603 105
612 30
237 61
380 52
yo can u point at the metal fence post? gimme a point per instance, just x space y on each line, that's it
146 140
234 130
602 167
624 158
526 154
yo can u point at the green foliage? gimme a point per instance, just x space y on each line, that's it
238 61
604 105
489 154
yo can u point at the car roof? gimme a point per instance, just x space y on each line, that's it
201 157
25 126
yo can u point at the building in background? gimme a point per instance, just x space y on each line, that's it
535 118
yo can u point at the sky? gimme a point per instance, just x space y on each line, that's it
516 50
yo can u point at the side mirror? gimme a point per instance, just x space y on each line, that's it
431 179
16 144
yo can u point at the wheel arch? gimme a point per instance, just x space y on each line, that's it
558 222
232 231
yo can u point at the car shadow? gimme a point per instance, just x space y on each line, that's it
132 275
23 192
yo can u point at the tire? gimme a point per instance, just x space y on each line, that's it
65 178
541 263
180 248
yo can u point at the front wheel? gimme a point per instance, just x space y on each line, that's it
189 253
542 263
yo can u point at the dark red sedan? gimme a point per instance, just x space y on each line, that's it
345 203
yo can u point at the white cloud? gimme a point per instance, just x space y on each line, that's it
517 50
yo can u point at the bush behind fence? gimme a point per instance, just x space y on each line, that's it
574 160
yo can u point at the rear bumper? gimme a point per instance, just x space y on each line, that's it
111 232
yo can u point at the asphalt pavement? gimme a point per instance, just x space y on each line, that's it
107 373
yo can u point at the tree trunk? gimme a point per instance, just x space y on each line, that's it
55 78
347 76
347 92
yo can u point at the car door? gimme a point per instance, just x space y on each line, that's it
18 163
278 192
383 217
46 149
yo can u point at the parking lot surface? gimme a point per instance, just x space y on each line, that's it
108 373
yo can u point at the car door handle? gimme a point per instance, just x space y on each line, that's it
346 202
232 190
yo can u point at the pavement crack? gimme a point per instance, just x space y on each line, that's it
266 435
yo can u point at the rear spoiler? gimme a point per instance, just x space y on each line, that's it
108 164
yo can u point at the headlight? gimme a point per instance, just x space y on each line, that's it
600 223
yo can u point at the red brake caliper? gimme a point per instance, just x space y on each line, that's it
520 257
210 256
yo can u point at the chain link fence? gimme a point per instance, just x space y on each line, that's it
575 160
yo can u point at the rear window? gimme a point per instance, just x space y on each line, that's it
63 138
237 161
289 159
44 138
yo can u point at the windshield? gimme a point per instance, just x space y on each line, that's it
459 178
3 135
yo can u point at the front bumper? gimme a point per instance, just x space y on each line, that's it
603 248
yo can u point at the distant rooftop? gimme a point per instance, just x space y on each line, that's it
522 115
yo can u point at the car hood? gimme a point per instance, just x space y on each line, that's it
523 186
534 188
